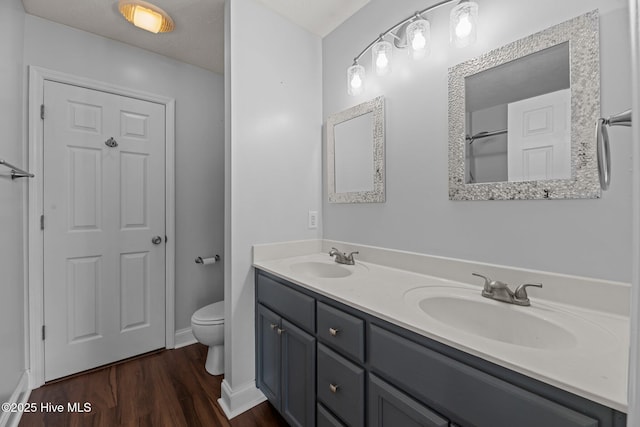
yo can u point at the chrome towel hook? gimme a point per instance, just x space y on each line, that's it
603 150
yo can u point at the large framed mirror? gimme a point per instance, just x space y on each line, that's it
355 154
521 117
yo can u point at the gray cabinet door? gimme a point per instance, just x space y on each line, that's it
287 302
341 386
269 360
298 376
389 407
325 419
460 392
341 331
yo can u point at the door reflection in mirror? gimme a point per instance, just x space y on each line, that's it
517 119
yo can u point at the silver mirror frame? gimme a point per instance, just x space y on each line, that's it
377 195
582 33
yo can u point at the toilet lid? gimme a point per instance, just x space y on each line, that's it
210 314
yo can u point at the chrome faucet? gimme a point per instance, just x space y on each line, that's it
343 258
500 291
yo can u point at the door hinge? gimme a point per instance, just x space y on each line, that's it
42 111
43 334
41 222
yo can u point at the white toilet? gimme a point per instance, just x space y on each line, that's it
208 328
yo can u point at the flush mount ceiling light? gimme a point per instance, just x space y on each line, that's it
414 34
146 16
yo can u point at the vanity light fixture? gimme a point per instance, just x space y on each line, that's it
419 38
463 23
382 53
355 79
414 33
146 16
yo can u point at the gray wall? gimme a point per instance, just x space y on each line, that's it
199 96
28 40
582 237
273 160
12 198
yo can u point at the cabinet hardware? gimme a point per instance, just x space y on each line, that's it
273 325
333 332
333 388
280 331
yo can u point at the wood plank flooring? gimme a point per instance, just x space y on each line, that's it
169 388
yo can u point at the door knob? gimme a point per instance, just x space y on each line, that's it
111 143
156 240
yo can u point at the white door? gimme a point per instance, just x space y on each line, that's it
539 143
104 198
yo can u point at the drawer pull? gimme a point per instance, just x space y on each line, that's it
333 332
280 331
333 388
273 325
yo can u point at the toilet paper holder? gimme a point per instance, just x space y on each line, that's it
206 261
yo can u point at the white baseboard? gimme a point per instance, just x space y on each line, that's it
235 402
19 396
184 337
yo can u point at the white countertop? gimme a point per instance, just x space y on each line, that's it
595 368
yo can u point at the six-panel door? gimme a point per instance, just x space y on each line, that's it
103 203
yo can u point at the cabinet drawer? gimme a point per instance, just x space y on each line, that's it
290 304
389 407
460 392
325 419
341 386
341 331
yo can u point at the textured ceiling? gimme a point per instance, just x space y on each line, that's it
199 35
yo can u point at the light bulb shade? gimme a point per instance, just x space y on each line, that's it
382 52
146 16
355 80
419 38
463 23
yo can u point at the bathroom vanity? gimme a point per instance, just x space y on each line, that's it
328 354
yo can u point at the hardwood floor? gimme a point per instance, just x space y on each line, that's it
169 388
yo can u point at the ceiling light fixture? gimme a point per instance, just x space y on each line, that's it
414 33
146 16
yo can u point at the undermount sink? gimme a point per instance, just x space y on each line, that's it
324 270
538 327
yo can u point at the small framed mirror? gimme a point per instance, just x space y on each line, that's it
355 154
521 117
